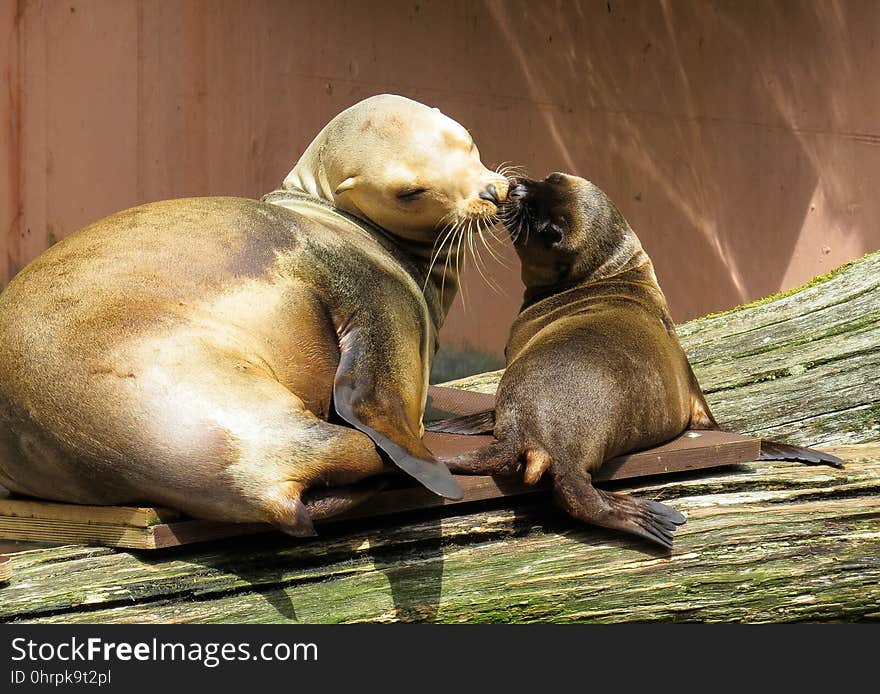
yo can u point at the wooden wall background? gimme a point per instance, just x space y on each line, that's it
741 138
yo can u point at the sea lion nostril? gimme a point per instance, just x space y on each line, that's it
517 192
490 194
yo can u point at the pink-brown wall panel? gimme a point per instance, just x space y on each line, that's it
10 163
741 139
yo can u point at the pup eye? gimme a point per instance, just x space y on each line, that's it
552 236
411 194
552 232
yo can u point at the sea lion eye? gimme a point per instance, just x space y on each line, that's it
411 194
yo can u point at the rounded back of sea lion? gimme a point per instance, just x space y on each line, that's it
186 353
188 344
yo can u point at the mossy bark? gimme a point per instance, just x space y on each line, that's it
763 542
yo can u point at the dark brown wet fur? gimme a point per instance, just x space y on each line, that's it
594 369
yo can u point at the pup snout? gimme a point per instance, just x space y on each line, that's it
518 192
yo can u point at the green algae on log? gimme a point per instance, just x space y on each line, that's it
764 542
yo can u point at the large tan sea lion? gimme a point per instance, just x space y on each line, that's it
594 367
224 356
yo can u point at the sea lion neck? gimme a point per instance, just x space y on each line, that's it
637 273
309 176
417 259
627 261
634 285
610 247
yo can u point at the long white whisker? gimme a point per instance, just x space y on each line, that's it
478 261
441 239
508 170
458 264
451 236
498 259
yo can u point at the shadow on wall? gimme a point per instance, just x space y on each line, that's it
724 163
739 139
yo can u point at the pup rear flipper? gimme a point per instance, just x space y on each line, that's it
647 519
471 424
773 450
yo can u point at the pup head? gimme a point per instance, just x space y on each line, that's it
566 231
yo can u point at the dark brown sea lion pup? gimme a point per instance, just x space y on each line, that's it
594 367
206 354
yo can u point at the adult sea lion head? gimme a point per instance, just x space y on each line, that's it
566 231
404 166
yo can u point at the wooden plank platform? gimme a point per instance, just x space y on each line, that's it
155 528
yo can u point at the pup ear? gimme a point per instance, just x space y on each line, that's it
346 185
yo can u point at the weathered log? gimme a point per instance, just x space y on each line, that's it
765 541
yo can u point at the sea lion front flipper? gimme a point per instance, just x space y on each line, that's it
774 450
364 396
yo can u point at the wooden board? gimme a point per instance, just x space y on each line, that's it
5 569
127 516
155 528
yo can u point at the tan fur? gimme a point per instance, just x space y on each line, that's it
537 463
357 163
185 353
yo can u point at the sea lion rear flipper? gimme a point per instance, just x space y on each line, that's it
332 501
701 415
377 410
774 450
648 519
469 424
498 458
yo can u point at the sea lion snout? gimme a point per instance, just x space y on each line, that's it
517 193
490 194
495 191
